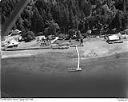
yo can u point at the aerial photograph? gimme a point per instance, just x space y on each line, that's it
64 48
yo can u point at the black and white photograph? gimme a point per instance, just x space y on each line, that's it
64 48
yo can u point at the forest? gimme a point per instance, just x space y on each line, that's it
53 16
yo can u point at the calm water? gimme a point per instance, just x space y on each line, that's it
98 79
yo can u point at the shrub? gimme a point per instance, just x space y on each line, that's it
39 34
28 36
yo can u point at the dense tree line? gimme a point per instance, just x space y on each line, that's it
45 15
7 6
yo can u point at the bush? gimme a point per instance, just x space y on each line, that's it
28 36
62 36
40 34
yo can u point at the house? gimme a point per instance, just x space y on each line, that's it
115 38
12 40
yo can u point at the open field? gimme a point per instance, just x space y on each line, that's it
45 73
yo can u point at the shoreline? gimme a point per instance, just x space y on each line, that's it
91 49
81 58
